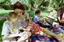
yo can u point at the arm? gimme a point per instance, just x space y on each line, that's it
58 15
39 19
5 30
13 35
59 19
28 18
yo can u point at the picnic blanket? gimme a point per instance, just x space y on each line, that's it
35 28
42 38
58 30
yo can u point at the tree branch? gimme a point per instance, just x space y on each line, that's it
31 3
41 4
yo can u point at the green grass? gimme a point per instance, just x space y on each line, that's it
1 23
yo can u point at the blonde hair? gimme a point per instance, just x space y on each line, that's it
12 16
54 11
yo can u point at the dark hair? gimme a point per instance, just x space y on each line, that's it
18 5
37 12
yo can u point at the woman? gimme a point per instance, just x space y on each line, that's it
23 16
60 16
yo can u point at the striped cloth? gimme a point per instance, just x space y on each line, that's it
58 30
42 38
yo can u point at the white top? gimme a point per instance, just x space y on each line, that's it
10 29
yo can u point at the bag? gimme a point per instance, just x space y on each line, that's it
49 20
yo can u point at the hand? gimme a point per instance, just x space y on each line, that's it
21 34
40 18
29 24
20 27
61 21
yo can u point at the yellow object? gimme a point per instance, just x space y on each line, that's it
46 19
13 29
62 20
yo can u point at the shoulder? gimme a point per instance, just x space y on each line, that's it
25 14
6 23
35 16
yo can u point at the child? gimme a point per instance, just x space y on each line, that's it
11 27
36 17
50 18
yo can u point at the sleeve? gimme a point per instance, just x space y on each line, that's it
5 30
27 15
35 19
45 19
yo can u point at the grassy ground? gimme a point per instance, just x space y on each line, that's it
31 13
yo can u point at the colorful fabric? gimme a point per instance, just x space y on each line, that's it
35 28
58 30
42 38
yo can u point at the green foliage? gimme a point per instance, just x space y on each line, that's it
1 23
46 3
2 1
4 6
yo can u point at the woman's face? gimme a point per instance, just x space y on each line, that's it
19 12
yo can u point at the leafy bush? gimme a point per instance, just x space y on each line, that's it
6 7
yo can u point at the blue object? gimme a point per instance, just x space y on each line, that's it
35 19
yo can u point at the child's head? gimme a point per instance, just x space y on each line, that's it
19 13
52 12
37 12
12 18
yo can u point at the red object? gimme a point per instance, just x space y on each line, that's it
35 28
26 26
62 13
63 16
